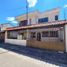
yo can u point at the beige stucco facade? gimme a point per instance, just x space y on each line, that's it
32 35
34 16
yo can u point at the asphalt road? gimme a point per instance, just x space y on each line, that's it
48 56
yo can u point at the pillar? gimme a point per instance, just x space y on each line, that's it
28 34
65 32
5 34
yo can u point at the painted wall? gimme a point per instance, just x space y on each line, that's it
50 14
33 16
16 42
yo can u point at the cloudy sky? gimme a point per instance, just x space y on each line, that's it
9 9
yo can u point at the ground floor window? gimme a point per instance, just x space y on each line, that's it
50 34
12 35
45 34
33 34
23 35
53 33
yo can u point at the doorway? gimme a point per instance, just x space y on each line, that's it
39 36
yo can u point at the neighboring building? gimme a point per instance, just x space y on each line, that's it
2 30
4 26
42 30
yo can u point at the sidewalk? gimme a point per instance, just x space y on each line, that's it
11 59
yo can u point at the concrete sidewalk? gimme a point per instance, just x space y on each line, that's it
11 59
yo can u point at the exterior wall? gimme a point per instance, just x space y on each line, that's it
50 45
16 42
50 14
61 34
34 16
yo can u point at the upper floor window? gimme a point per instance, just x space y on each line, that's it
23 23
56 17
43 20
33 34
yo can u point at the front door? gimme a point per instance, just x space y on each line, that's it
39 36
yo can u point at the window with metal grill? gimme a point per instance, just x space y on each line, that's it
42 20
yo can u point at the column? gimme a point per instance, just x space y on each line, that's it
19 37
65 36
28 34
6 35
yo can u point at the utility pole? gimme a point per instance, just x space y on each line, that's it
65 14
27 19
27 11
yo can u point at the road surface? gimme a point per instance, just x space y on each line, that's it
11 59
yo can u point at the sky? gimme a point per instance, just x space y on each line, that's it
9 9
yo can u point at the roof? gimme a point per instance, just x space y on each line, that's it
38 25
5 24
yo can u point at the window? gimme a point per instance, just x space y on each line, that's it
53 33
23 23
56 17
33 34
23 35
12 35
45 34
50 34
43 20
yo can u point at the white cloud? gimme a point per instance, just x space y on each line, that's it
14 22
32 3
11 19
65 6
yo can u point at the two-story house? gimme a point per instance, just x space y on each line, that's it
40 30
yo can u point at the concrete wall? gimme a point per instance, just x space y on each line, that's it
52 45
16 42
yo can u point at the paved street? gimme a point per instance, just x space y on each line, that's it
47 57
10 59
